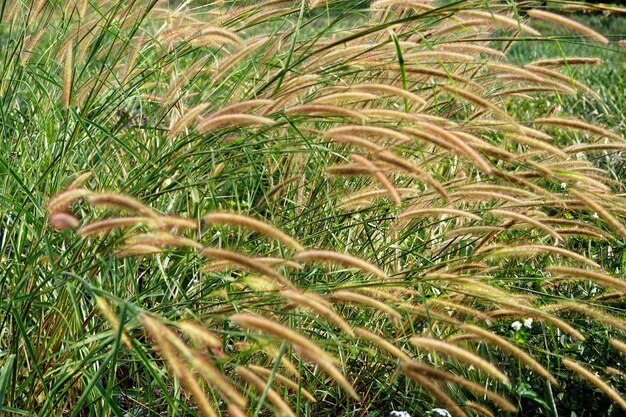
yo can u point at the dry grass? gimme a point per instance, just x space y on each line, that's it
435 190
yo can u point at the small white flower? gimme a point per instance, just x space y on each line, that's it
563 185
516 325
528 323
609 251
595 215
442 412
399 414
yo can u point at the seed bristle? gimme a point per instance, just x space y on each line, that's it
460 354
567 23
253 224
341 259
600 384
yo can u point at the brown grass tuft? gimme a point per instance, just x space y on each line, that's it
106 225
235 411
394 159
261 386
155 330
356 298
500 20
587 200
268 326
443 211
301 344
479 408
532 250
578 124
567 23
433 373
388 89
380 176
208 124
526 219
619 345
121 201
375 131
567 61
68 73
325 109
63 221
283 380
247 263
460 354
326 311
186 119
113 319
480 162
514 350
383 344
436 391
587 310
253 224
199 334
600 384
341 259
64 199
595 276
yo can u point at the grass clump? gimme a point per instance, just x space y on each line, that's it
301 208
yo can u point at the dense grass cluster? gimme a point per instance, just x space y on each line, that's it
308 208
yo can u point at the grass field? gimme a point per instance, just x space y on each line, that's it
311 209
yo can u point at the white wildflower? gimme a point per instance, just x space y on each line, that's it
441 412
399 414
516 325
528 323
563 185
595 215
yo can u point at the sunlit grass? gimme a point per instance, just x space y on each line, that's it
313 194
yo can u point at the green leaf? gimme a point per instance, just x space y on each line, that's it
5 372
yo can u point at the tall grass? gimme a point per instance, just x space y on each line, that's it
301 208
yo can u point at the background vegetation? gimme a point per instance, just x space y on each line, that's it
311 208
